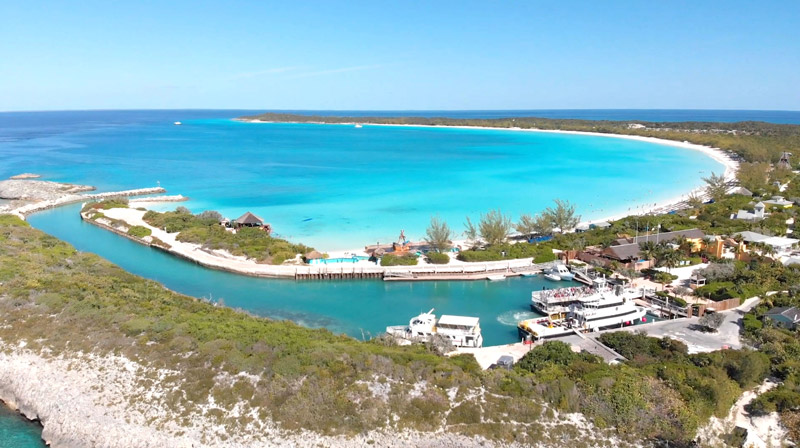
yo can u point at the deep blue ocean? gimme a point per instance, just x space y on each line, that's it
338 187
653 115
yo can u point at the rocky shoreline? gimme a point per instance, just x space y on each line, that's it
87 400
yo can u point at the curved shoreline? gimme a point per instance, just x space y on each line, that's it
717 154
241 265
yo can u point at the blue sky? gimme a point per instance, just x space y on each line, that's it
399 55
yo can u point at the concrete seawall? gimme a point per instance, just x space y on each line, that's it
471 271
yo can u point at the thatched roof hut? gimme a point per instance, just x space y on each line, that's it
249 219
313 255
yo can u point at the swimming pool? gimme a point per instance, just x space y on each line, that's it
354 259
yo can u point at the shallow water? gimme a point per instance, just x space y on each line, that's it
18 432
340 187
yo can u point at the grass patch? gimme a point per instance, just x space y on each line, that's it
139 231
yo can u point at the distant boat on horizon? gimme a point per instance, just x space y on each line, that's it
177 123
358 125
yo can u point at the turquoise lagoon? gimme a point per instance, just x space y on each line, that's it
340 187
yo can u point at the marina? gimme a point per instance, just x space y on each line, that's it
347 305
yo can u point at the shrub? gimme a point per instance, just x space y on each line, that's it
479 255
717 291
438 258
394 260
712 321
106 204
139 231
552 353
204 229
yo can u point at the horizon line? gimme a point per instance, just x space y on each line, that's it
392 110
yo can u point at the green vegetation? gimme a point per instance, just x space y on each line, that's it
438 235
747 279
541 253
782 346
106 204
711 321
204 229
754 141
716 186
399 260
314 379
562 216
139 231
179 220
438 257
494 227
661 391
534 225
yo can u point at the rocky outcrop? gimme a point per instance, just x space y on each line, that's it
38 189
86 401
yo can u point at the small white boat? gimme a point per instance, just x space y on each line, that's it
177 123
463 331
358 125
528 274
495 278
562 272
552 276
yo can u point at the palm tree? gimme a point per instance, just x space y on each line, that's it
684 245
670 259
648 250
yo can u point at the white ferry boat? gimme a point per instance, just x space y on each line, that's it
582 309
463 331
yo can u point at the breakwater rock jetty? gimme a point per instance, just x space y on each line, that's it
25 196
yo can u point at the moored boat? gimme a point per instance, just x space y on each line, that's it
581 309
495 278
552 276
563 272
462 331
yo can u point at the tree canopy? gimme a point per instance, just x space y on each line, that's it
562 216
494 227
438 234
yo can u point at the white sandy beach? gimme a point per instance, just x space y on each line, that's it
225 261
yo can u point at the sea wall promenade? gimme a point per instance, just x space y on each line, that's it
119 221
